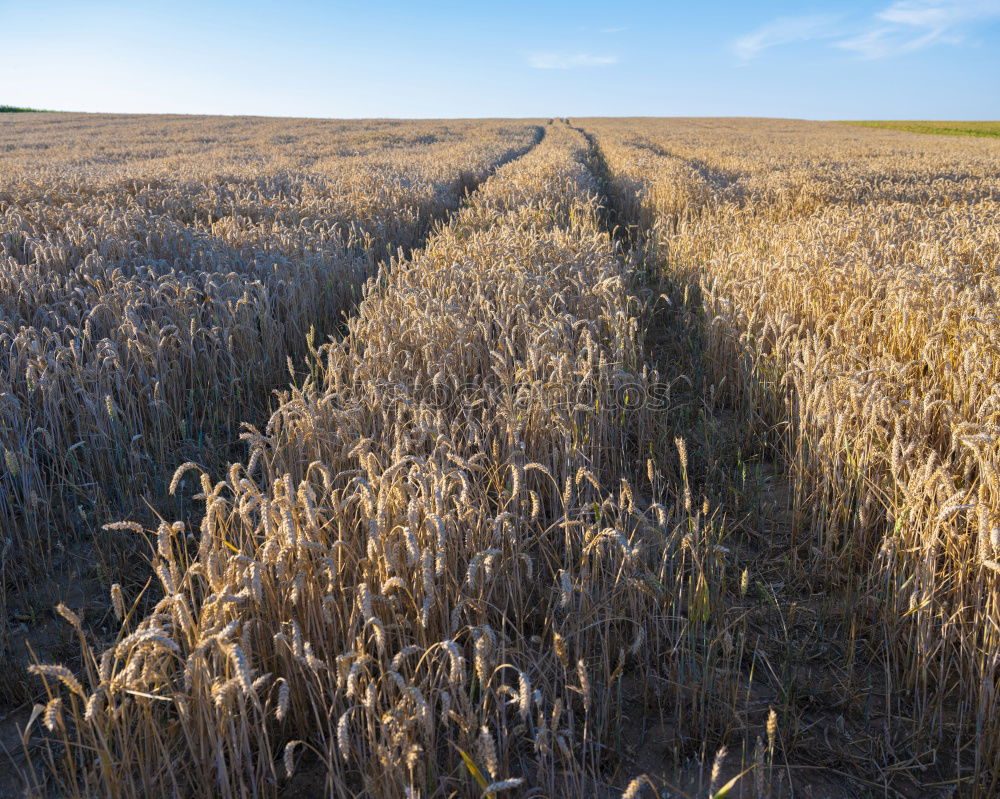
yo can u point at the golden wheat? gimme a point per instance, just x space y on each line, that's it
848 285
404 590
503 533
156 277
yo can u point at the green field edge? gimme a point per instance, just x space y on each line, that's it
951 128
14 109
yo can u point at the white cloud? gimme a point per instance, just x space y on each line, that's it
910 25
942 13
785 30
886 41
569 61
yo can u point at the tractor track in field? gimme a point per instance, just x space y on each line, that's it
791 635
795 634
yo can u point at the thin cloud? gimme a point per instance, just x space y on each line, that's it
910 25
884 42
570 61
785 30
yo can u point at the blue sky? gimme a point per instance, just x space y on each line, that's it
923 59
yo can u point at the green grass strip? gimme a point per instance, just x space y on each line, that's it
989 129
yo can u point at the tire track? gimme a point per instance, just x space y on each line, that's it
796 633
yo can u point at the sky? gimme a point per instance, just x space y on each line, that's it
886 59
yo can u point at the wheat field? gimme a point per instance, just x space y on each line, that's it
498 458
158 275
